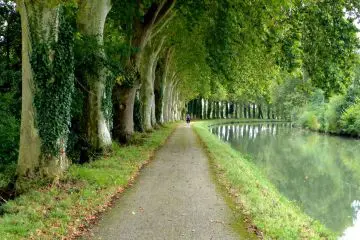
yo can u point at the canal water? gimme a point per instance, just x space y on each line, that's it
320 172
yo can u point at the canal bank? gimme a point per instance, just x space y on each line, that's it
256 197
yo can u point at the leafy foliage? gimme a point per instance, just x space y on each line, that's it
350 120
10 90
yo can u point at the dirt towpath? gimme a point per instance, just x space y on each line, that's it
174 198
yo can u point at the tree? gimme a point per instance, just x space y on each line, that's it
140 22
47 86
91 19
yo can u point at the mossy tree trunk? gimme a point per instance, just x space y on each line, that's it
91 22
46 81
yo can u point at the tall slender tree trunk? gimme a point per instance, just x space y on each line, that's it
40 24
260 115
167 96
163 83
91 22
147 87
209 109
245 111
173 99
254 110
217 109
144 31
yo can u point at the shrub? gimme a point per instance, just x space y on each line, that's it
308 119
350 120
333 113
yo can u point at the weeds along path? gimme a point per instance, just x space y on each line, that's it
174 198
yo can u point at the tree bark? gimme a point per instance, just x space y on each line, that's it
38 20
245 111
123 113
167 96
260 115
254 110
147 87
145 29
208 114
91 22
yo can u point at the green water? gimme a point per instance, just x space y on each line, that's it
320 172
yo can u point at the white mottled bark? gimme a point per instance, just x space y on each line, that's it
147 88
165 79
40 20
91 22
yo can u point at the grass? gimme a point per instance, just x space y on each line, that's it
276 216
55 212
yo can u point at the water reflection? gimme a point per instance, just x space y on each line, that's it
321 173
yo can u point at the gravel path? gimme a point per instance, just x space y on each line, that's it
174 198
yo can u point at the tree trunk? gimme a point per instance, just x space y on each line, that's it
209 109
216 110
167 96
144 31
260 116
147 87
39 156
222 110
163 83
249 111
245 111
226 110
254 110
123 113
194 109
91 21
159 94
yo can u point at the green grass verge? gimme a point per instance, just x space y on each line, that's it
53 212
259 200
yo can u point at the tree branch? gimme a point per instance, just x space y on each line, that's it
161 27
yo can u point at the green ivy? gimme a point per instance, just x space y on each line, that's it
106 105
54 86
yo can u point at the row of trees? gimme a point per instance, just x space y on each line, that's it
94 71
208 109
68 58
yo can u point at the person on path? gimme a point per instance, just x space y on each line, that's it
188 119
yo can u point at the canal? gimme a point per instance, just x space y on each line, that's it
321 173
